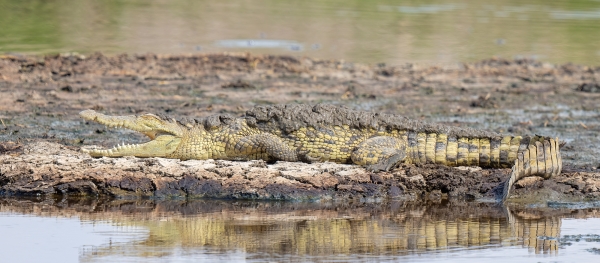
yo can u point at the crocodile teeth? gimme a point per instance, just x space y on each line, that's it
117 126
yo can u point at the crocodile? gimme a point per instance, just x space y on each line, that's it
328 133
312 230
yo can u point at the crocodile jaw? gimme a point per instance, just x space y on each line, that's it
165 135
161 146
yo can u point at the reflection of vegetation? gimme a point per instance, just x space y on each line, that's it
40 26
29 25
368 31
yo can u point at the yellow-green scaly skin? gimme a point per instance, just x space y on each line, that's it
377 149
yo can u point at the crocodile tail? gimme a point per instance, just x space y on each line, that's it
528 155
540 156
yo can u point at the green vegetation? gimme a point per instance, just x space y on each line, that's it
364 31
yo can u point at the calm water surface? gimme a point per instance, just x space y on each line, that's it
209 231
388 31
392 32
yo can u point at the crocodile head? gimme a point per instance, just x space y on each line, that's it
165 135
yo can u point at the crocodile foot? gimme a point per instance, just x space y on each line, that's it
386 164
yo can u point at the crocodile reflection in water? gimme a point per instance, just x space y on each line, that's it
300 229
411 231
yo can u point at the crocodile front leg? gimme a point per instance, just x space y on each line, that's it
264 146
380 153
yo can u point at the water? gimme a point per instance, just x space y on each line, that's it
392 32
29 238
89 230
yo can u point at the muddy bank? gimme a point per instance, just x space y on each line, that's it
41 131
44 168
41 96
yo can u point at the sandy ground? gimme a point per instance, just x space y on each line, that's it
40 132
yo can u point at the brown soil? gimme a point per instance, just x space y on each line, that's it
41 96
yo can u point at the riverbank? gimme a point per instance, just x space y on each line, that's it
41 131
44 168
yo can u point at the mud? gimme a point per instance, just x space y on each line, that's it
41 96
45 168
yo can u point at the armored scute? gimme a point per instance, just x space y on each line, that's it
322 133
